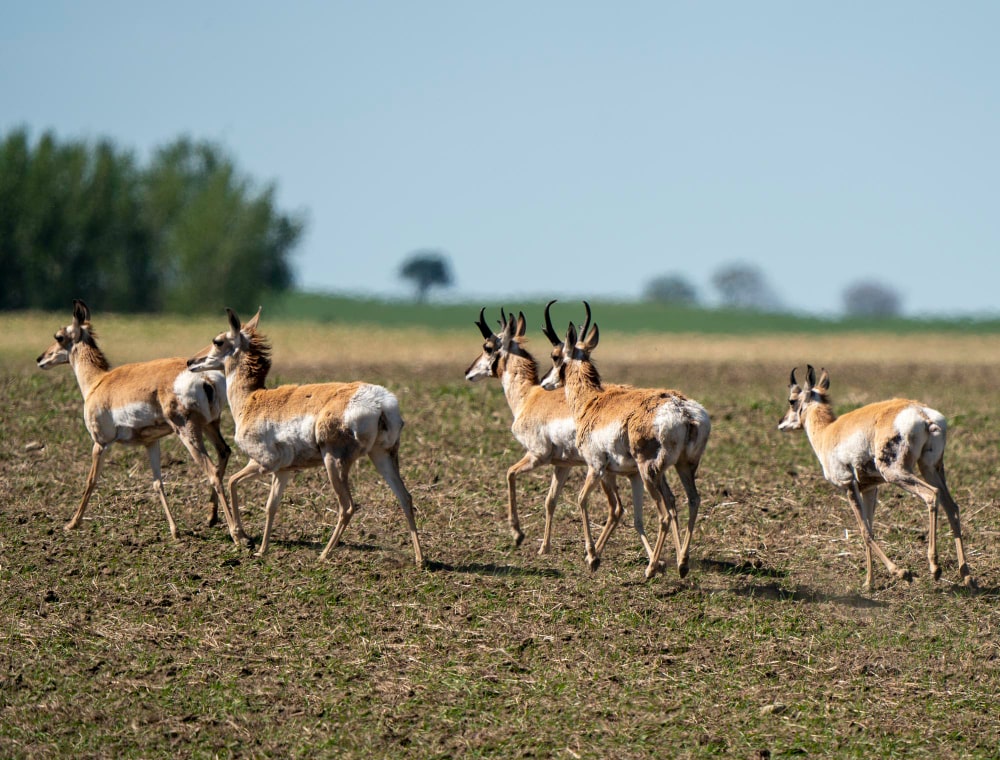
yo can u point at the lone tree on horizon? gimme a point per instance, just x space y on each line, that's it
426 268
871 299
672 289
743 286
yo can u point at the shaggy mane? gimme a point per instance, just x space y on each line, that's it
257 360
88 339
528 367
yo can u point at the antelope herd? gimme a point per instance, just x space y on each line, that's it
568 418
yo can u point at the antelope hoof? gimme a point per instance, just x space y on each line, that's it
936 572
651 570
593 562
71 525
967 580
518 535
682 569
213 520
905 575
543 549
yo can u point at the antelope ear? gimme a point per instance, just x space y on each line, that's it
252 324
234 322
522 326
570 335
81 313
507 326
590 342
824 382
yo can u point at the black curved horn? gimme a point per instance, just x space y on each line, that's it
481 324
792 380
583 330
549 331
811 375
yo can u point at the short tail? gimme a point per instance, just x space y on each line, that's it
699 428
390 423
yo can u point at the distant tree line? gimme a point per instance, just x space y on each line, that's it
743 286
186 232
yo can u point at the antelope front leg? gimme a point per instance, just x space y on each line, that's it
96 460
153 450
637 497
615 510
278 482
524 464
252 470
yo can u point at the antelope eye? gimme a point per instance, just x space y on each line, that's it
792 401
217 342
60 338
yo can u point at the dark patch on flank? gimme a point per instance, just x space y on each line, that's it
890 452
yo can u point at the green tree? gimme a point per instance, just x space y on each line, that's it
188 232
219 241
426 268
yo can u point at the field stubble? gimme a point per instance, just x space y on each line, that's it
118 641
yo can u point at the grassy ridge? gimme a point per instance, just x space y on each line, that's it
625 317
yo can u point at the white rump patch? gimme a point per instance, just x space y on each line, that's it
364 409
190 391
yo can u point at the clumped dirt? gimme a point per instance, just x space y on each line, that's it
117 641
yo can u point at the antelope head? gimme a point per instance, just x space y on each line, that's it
574 346
800 397
225 345
66 337
495 346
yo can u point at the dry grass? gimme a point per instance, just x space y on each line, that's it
298 344
117 641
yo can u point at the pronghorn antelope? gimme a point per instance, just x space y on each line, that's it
294 427
878 443
543 422
138 404
639 432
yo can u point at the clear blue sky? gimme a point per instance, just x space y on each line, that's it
565 148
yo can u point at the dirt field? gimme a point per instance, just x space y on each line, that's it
117 641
